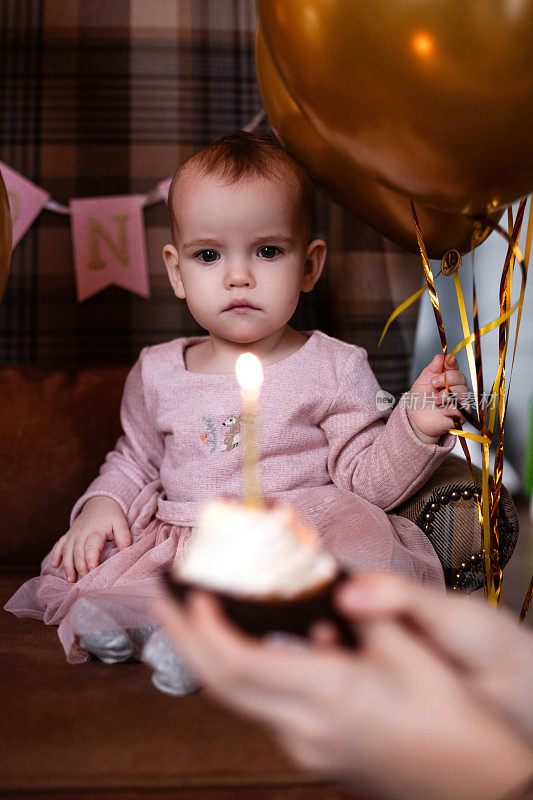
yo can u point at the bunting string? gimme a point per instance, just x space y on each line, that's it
108 233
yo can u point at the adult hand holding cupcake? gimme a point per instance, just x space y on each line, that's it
412 708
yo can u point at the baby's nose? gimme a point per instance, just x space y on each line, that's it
239 275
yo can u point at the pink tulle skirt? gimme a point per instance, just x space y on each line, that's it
118 593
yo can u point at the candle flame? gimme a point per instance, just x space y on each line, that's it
249 374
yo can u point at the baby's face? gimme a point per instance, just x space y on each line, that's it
239 241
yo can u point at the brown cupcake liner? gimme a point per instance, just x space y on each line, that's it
258 617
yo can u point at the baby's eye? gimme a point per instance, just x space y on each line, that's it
270 251
210 256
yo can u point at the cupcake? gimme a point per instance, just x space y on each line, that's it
267 567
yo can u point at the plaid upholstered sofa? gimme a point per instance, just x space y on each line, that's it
107 98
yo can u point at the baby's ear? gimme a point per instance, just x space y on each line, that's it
314 263
171 259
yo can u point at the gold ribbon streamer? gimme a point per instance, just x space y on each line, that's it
529 236
501 364
490 543
474 436
505 293
491 550
485 329
430 282
492 572
400 309
466 330
438 318
524 263
527 601
489 588
505 302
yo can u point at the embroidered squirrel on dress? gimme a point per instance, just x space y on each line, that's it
232 435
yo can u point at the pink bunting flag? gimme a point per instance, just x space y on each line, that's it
163 187
26 201
109 244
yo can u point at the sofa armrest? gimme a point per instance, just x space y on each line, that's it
446 510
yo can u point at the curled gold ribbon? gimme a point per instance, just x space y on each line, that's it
474 436
492 571
513 253
505 302
485 329
527 601
489 505
399 310
491 583
466 330
490 589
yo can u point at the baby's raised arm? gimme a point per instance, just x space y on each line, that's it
100 520
376 455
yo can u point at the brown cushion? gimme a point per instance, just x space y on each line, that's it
56 427
105 726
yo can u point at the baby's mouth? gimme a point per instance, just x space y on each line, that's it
242 307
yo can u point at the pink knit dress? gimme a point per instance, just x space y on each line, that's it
325 447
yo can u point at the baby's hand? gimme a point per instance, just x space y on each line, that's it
100 519
432 407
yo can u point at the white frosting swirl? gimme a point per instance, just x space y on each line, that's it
255 552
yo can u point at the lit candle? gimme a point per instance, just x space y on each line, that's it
250 377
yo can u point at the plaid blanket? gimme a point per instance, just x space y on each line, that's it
102 98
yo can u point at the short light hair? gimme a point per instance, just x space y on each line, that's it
249 154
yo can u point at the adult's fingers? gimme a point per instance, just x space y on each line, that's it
465 629
324 634
260 679
200 629
485 646
190 632
220 661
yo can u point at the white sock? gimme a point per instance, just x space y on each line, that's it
171 674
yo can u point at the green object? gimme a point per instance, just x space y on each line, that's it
528 471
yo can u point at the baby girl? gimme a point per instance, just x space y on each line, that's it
243 249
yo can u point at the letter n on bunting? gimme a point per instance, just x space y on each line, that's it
109 244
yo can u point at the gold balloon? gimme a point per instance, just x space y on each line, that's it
430 98
5 237
377 205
